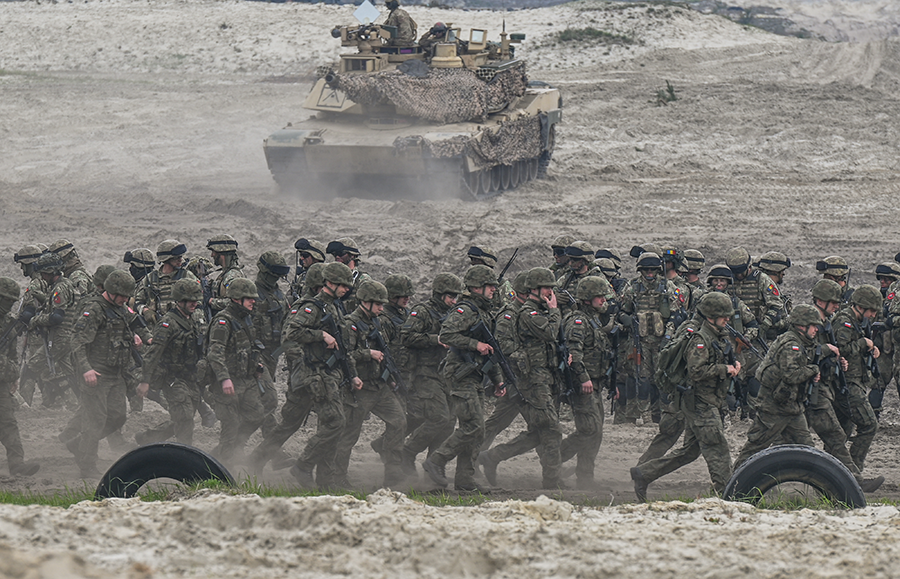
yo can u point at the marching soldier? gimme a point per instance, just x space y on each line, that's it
73 268
223 251
346 251
153 298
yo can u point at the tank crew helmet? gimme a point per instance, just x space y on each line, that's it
223 243
483 254
611 255
398 286
607 267
27 255
834 266
102 273
539 277
338 273
560 244
773 261
49 263
63 248
480 276
312 248
9 290
372 291
720 271
692 262
805 315
649 261
594 286
169 249
187 290
392 4
828 291
273 262
519 286
738 260
638 250
241 288
438 29
119 283
888 269
715 305
580 250
446 283
315 276
343 246
867 297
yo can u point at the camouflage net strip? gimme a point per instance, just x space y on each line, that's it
446 95
513 141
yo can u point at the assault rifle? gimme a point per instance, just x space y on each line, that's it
207 291
838 371
872 331
733 396
390 367
812 387
339 356
481 331
612 373
15 328
570 387
508 263
743 341
638 352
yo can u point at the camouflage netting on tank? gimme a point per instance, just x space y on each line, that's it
513 141
446 95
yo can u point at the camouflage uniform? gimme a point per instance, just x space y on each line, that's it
153 297
508 406
74 269
54 321
34 365
268 318
463 372
784 374
224 246
233 354
406 27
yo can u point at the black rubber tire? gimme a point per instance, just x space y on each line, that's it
795 463
161 460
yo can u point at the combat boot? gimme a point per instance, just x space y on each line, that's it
640 484
207 415
436 472
472 487
489 464
24 469
870 485
303 476
408 463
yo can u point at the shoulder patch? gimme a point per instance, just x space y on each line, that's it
700 346
86 314
460 310
223 323
293 312
690 330
795 348
165 324
579 322
533 313
848 324
412 313
507 317
891 295
772 289
57 299
352 327
307 310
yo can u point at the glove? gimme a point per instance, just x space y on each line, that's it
625 319
27 313
57 317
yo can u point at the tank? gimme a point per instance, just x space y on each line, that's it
448 116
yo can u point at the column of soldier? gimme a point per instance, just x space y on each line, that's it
662 348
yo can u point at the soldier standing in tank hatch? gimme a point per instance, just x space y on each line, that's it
464 370
401 20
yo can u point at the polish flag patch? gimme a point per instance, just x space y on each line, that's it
507 316
352 327
412 313
690 330
307 310
165 324
579 322
293 312
700 346
848 324
534 313
222 322
795 348
86 314
460 310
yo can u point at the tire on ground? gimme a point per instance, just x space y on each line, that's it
795 463
161 460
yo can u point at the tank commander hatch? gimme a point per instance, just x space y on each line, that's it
403 22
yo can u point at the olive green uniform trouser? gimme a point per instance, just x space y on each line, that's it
9 429
822 419
856 409
671 427
505 411
240 414
324 389
102 411
184 401
584 443
769 429
384 404
467 405
430 402
704 435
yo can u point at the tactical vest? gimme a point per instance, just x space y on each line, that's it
159 289
749 292
651 299
428 320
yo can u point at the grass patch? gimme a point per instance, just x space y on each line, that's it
591 34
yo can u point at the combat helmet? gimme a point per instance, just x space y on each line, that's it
187 290
539 277
773 261
337 272
9 289
649 260
446 283
833 265
102 273
119 282
28 254
315 275
693 261
867 297
480 276
372 291
241 288
398 286
738 260
610 254
519 286
715 305
314 248
274 263
671 254
62 248
484 253
169 249
594 286
141 258
638 250
720 270
828 291
341 246
580 250
223 243
888 269
560 244
804 315
607 267
49 263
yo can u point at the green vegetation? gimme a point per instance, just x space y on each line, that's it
591 34
666 96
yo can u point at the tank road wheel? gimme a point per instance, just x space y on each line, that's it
515 174
495 178
472 181
505 177
544 159
777 472
532 165
484 183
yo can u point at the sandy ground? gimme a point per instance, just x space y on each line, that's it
124 123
